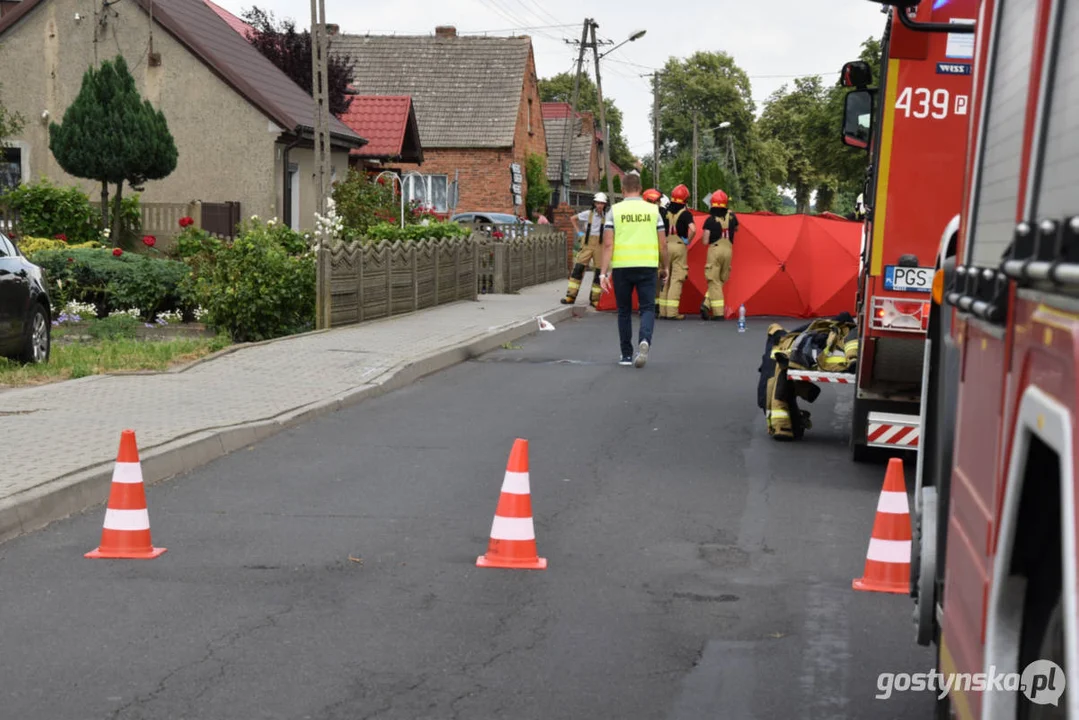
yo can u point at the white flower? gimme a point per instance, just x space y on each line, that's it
254 218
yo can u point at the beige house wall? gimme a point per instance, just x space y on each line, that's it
227 148
304 158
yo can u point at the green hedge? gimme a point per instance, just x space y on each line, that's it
115 282
48 210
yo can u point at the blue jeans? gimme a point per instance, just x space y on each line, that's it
625 280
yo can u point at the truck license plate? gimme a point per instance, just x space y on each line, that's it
908 279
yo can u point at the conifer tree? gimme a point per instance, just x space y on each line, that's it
111 135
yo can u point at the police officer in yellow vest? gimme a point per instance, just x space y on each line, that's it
591 249
633 248
680 232
718 236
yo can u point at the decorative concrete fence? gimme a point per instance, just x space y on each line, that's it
377 280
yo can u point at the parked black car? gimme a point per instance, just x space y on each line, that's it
25 318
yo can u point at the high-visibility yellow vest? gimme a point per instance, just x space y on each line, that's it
635 234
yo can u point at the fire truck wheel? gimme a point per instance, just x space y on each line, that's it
925 565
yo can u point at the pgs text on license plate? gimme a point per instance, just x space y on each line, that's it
908 279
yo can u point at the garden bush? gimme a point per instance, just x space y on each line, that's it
48 210
31 245
433 230
113 280
259 286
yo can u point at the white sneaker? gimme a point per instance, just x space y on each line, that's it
642 354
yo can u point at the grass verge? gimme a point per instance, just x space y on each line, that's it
76 360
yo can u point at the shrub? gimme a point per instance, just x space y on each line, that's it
363 203
32 245
259 286
47 210
433 230
115 282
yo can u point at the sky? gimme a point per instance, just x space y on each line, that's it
772 40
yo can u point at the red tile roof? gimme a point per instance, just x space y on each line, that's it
234 22
555 110
383 120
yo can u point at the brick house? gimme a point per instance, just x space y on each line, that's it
243 129
478 107
583 142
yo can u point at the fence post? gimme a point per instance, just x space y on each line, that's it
498 284
196 213
457 272
361 252
415 278
389 279
438 251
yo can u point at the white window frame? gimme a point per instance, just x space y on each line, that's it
423 197
24 158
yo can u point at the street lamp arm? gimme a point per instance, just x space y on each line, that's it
635 36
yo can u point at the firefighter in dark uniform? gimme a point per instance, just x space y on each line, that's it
718 236
680 232
591 250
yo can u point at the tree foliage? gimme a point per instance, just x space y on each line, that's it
290 51
538 195
11 123
560 89
111 135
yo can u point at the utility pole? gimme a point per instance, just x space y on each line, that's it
571 121
694 160
655 129
602 117
320 94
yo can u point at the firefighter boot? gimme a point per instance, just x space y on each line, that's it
574 285
597 290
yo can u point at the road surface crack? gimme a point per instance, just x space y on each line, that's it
213 647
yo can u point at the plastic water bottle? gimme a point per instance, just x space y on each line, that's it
742 318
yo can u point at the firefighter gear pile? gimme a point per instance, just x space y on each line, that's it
825 345
590 253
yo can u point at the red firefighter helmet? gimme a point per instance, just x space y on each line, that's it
680 194
719 199
652 195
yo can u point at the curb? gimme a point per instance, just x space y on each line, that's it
75 492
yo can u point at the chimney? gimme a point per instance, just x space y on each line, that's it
332 29
446 31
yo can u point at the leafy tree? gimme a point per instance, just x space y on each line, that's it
111 135
11 123
290 51
793 116
711 84
560 89
538 195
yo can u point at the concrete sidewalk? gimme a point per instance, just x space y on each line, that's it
60 440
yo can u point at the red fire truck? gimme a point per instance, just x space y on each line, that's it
914 125
993 559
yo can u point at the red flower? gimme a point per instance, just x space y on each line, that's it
186 222
71 259
149 240
117 252
61 236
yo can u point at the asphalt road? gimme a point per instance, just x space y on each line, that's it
697 569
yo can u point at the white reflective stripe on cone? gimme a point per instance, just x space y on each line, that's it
127 519
516 483
504 528
127 473
889 551
893 502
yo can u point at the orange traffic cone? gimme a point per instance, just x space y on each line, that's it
887 563
127 523
513 537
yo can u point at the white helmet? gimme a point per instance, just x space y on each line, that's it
600 198
664 201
